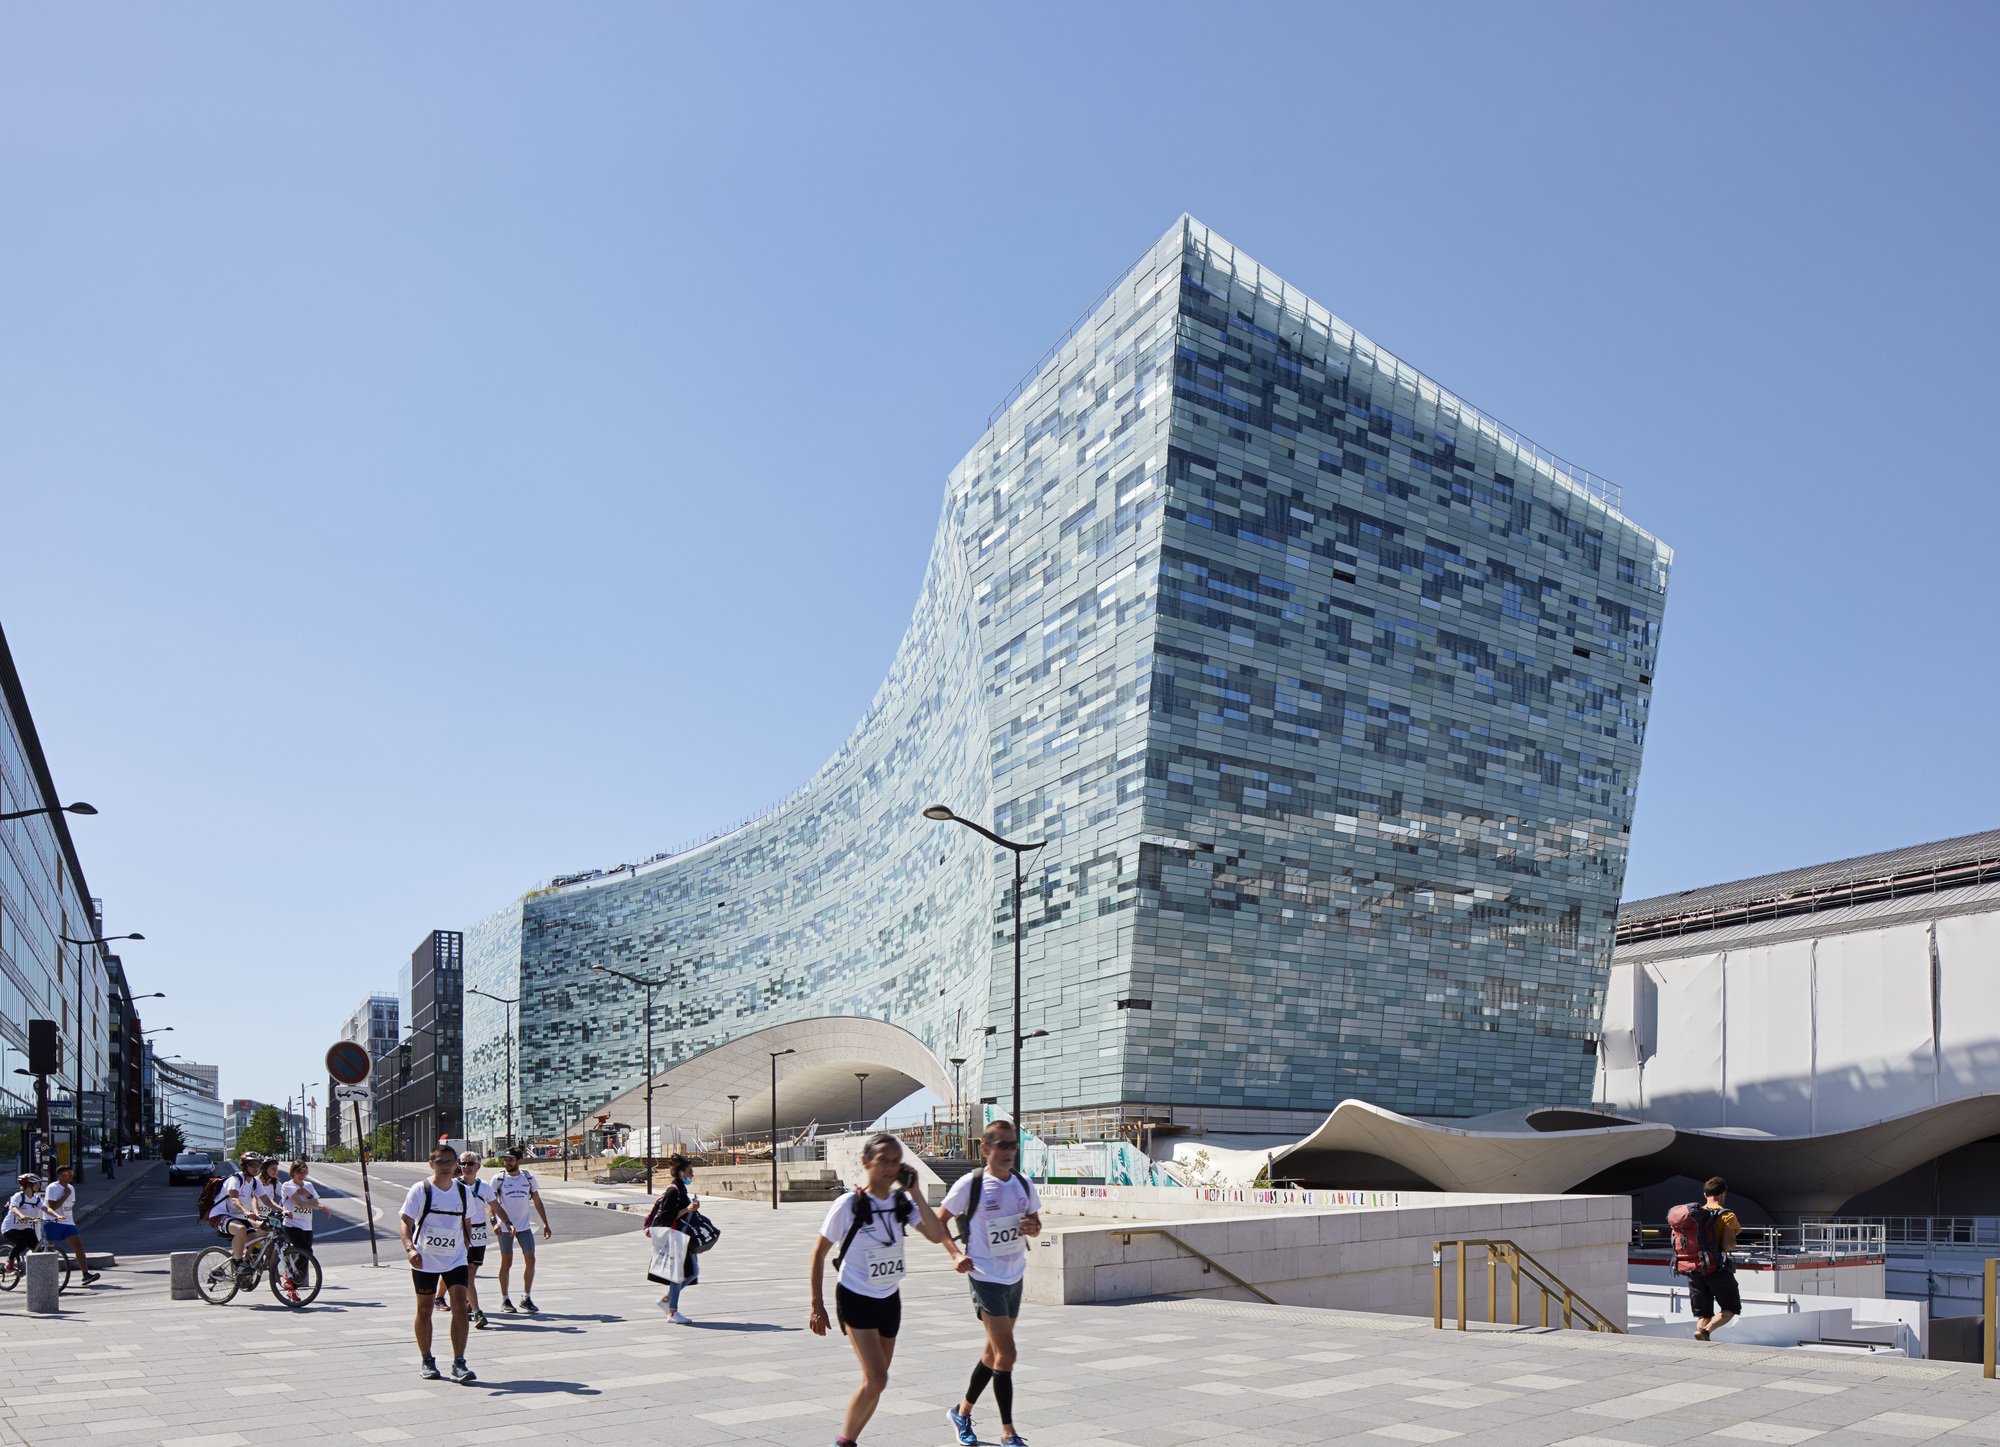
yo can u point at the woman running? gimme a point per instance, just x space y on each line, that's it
869 1225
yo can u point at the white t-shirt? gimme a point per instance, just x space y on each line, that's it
998 1250
875 1264
298 1202
58 1201
479 1193
440 1236
255 1192
512 1192
23 1210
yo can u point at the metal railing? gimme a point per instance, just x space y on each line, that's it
1832 1240
1520 1264
1209 1264
1992 1300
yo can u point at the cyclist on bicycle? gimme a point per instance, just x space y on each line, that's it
234 1211
24 1211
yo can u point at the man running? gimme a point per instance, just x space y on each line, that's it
435 1213
1001 1209
59 1220
516 1192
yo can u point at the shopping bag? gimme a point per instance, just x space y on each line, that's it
669 1256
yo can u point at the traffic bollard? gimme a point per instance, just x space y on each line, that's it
181 1280
44 1283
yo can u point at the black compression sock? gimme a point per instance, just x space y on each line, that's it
1003 1395
981 1375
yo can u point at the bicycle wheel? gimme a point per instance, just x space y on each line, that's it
295 1279
11 1272
215 1275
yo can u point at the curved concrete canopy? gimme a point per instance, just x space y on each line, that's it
1496 1154
815 1083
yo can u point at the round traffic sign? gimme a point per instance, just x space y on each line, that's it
347 1062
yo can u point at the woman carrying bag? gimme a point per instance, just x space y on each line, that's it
676 1264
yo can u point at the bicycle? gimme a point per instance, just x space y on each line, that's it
14 1269
295 1275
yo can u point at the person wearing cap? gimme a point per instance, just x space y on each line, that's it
24 1212
59 1219
514 1193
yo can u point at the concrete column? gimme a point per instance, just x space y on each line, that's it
44 1283
181 1286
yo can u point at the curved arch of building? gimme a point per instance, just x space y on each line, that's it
816 1081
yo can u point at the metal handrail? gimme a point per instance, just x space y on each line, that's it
1208 1263
1518 1261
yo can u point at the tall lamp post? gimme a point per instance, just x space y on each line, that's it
958 1100
943 815
649 986
774 1054
861 1097
510 1004
732 1115
80 1031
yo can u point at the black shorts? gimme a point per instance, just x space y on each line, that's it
299 1239
1718 1288
869 1313
427 1281
475 1257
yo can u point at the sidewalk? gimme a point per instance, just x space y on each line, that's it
98 1195
602 1367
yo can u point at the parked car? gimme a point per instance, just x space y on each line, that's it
190 1168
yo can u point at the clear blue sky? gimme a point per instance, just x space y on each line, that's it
449 445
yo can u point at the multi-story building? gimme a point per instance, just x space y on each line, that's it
125 1107
189 1098
1326 691
424 1094
43 899
239 1113
375 1026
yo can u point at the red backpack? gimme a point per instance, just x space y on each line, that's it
1697 1245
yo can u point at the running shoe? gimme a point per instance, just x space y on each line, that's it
461 1373
1013 1439
429 1370
962 1426
479 1320
678 1320
507 1305
91 1278
528 1304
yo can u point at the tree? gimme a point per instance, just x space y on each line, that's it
265 1134
172 1141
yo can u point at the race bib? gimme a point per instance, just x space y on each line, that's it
476 1234
440 1241
886 1265
1003 1236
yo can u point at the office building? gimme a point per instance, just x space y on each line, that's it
424 1094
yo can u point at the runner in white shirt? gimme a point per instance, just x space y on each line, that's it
516 1192
868 1226
998 1222
59 1220
435 1213
478 1231
24 1211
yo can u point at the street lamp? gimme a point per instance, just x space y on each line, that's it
774 1054
78 808
943 815
861 1097
732 1115
510 1004
649 986
80 1031
958 1098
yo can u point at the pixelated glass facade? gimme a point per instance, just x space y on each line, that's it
1327 692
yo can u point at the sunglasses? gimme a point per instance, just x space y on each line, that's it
1003 1145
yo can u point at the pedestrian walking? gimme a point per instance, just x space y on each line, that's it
435 1213
998 1210
478 1231
297 1201
1704 1233
520 1202
59 1220
671 1213
869 1225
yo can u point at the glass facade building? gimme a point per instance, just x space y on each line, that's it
1327 691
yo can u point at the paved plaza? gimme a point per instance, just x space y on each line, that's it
600 1365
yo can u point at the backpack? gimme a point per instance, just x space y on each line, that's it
661 1213
464 1210
964 1223
1697 1243
864 1209
210 1190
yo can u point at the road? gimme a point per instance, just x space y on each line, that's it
155 1218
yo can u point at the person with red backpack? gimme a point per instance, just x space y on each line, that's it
1704 1233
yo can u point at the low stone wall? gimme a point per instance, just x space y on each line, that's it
1355 1258
797 1181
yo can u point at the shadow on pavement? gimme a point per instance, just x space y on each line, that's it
534 1388
741 1326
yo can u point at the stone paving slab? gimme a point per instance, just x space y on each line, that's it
601 1366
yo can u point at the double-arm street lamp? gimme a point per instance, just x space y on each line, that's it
649 986
81 1032
510 1004
943 815
774 1054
